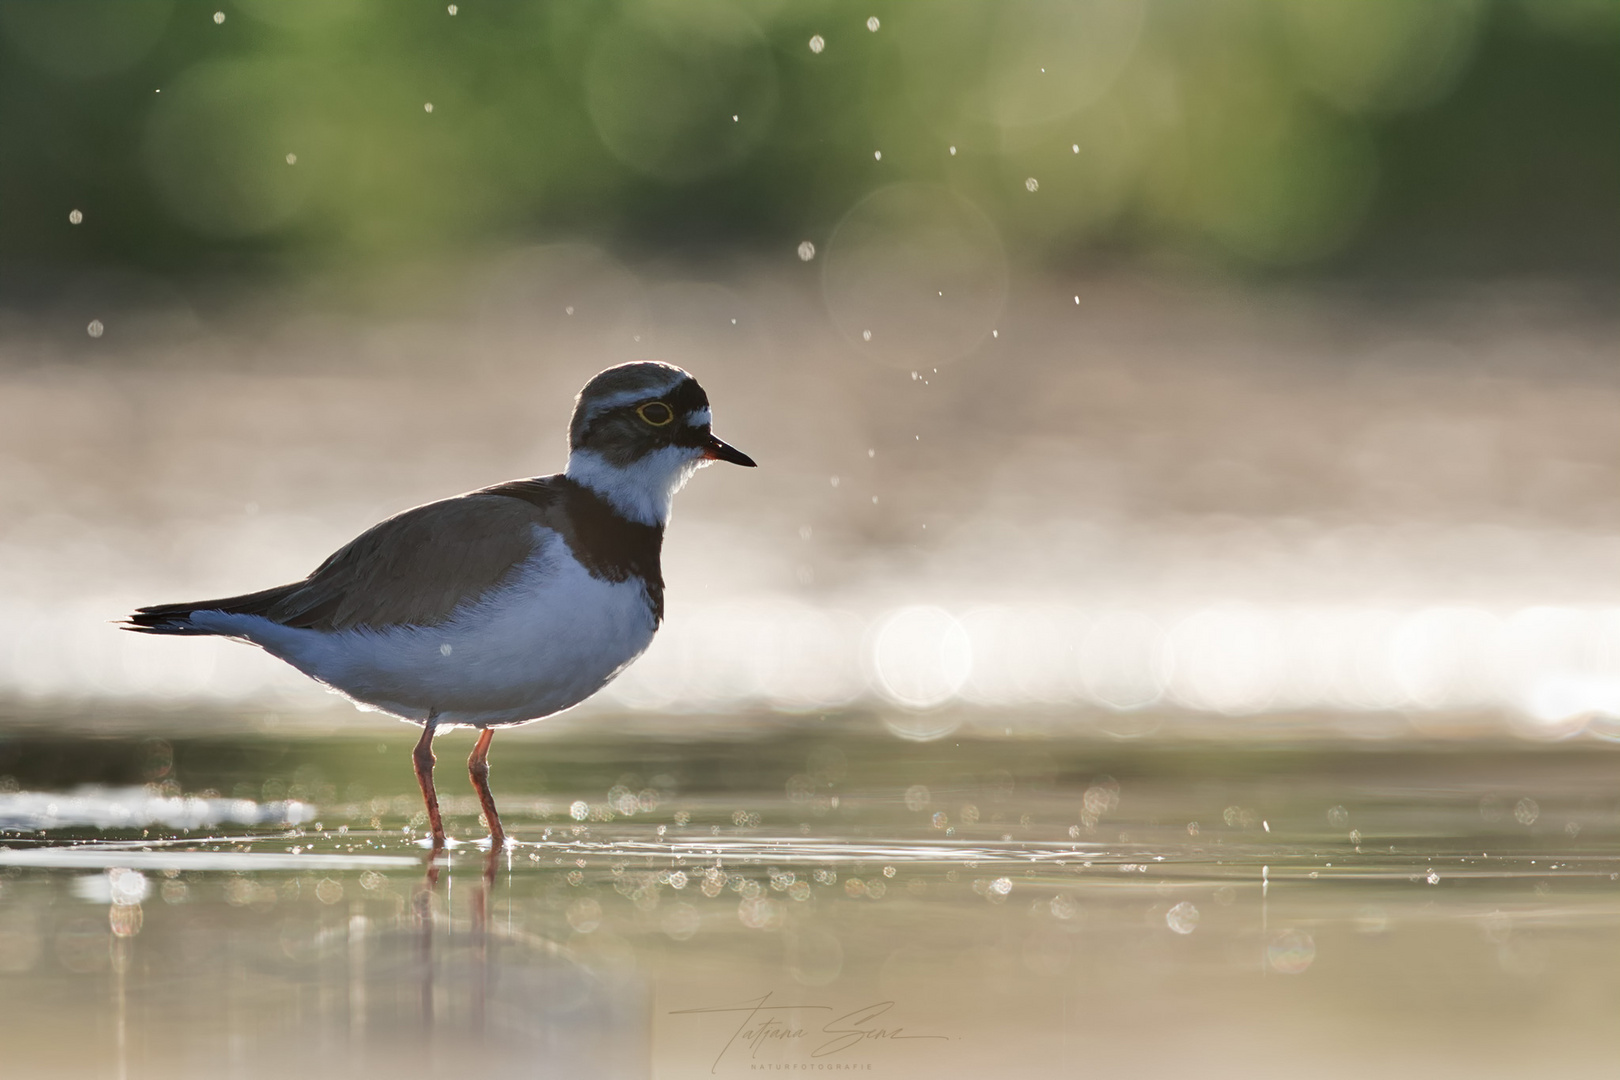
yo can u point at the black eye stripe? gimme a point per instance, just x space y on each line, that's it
682 399
687 397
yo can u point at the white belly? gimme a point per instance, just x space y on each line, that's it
544 643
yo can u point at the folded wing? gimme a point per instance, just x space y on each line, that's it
415 569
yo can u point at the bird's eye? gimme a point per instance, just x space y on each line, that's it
655 413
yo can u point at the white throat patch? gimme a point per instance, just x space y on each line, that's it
643 490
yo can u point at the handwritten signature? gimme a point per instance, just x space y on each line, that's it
758 1026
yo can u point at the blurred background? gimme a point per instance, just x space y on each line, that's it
1180 592
1120 366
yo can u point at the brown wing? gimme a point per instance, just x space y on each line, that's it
414 569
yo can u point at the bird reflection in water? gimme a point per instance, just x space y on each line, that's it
422 904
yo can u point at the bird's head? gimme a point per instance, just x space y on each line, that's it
639 432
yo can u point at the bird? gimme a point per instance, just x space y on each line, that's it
501 606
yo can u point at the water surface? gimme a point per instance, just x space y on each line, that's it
825 898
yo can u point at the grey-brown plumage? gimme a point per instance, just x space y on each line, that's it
418 567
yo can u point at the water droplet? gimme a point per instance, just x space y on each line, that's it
569 310
427 107
872 24
445 649
866 335
75 216
1291 952
1183 918
219 17
1032 184
733 322
953 151
888 871
1338 815
877 155
817 43
917 797
126 886
995 333
95 329
1001 886
807 250
1432 877
451 9
578 810
1525 811
834 481
733 118
1075 148
871 453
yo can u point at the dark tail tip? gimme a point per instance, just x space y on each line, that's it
162 619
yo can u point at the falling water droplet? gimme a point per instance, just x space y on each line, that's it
219 17
74 217
1183 918
817 43
872 24
1032 184
292 159
427 107
95 329
807 250
1291 952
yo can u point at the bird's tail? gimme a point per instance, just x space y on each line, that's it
177 618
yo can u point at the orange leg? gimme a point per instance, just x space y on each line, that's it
422 758
478 769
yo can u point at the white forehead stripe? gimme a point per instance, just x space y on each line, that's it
699 417
627 397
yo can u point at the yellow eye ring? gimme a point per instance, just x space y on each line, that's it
656 413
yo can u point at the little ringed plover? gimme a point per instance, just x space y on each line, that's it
503 605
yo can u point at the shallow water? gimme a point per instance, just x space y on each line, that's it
827 898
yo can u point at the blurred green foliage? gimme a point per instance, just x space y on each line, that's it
1445 136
